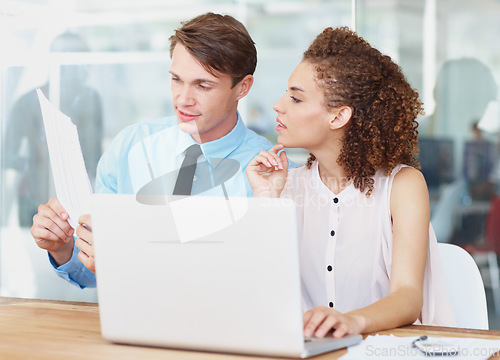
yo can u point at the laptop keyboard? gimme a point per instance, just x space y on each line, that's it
311 339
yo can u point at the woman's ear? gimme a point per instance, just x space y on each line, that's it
341 117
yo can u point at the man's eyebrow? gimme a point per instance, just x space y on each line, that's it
296 88
196 81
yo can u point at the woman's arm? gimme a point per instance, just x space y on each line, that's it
410 217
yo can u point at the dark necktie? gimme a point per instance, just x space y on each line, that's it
185 177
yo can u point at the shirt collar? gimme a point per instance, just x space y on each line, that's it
216 150
317 183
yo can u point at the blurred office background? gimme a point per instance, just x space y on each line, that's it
105 64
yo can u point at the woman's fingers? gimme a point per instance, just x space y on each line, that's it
312 320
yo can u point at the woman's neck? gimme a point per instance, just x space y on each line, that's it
334 178
331 173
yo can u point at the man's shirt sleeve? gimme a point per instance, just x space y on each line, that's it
74 271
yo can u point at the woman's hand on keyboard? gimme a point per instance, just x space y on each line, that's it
320 320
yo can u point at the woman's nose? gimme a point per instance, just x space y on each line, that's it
277 105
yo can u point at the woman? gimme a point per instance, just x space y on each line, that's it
366 245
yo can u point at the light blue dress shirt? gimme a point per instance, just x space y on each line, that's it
145 157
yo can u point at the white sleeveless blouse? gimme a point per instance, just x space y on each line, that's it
346 242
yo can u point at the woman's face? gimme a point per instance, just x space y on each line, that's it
303 120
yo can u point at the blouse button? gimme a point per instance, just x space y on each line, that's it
329 268
332 233
336 200
330 304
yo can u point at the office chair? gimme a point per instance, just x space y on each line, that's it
443 217
465 287
486 253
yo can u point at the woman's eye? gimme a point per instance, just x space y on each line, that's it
295 100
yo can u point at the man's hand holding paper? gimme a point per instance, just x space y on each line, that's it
66 160
54 225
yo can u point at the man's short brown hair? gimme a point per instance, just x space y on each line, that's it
220 43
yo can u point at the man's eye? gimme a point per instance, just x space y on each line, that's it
204 87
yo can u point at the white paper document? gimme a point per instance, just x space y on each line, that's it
71 180
390 347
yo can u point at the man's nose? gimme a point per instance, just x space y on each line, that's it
185 96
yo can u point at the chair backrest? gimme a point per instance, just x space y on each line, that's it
465 287
443 213
492 226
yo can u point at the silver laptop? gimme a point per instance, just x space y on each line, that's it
202 273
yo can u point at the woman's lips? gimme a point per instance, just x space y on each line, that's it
280 125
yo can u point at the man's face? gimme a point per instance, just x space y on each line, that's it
205 105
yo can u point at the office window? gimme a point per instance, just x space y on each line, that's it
105 64
448 51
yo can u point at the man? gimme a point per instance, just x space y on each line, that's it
213 61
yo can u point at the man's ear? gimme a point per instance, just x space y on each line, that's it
341 117
244 86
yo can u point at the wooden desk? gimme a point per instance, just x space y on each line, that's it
42 329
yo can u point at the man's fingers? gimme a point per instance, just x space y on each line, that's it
86 219
51 228
85 241
56 206
87 261
47 211
85 233
42 234
84 246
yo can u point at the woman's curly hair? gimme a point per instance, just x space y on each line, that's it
382 132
